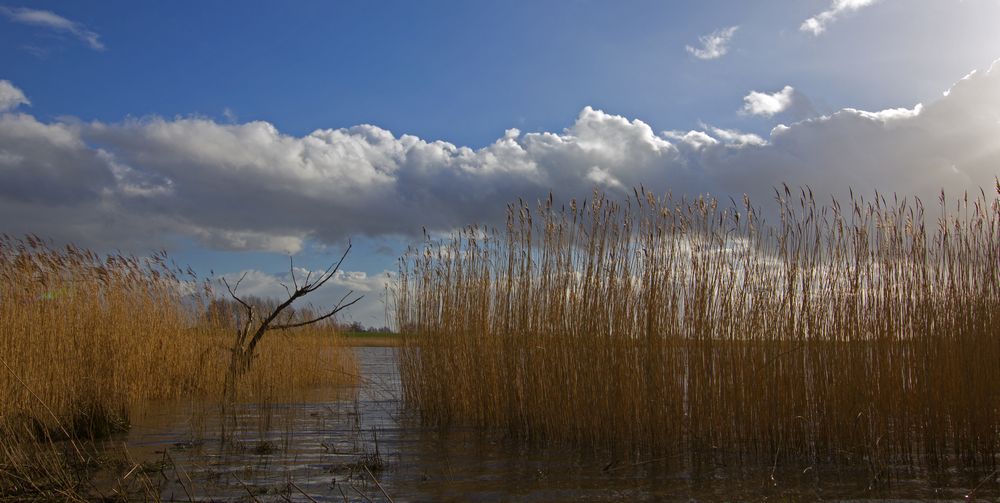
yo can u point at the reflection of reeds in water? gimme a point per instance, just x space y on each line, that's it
87 341
846 334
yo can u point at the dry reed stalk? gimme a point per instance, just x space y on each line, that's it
657 326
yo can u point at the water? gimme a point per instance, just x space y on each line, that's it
318 448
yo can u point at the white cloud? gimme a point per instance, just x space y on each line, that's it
53 21
767 105
250 186
818 23
714 45
693 139
736 138
11 97
889 115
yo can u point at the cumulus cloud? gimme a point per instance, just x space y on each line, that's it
736 138
818 23
788 101
11 97
50 163
714 45
768 104
711 136
52 21
250 186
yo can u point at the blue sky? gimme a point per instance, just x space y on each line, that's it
233 133
466 71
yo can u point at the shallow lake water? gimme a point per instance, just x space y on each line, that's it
317 450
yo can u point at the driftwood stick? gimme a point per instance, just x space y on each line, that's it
369 472
299 489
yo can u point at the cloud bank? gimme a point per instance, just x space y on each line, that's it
137 183
818 23
714 45
52 21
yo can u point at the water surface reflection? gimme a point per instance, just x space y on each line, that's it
318 447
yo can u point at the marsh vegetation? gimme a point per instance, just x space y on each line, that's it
86 342
863 334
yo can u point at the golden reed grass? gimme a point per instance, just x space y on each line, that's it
857 334
86 341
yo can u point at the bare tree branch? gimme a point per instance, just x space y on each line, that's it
334 311
232 290
306 287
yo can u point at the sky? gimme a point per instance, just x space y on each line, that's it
234 135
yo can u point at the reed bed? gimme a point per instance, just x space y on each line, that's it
87 341
864 334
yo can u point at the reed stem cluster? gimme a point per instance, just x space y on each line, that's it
864 333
